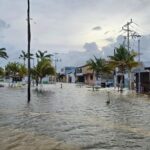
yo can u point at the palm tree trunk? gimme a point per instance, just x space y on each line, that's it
40 80
130 82
100 80
121 82
37 82
93 78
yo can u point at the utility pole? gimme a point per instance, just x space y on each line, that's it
29 41
55 61
139 74
136 35
133 34
127 29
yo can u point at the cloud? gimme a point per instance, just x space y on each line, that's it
97 28
64 25
3 25
109 39
78 58
89 47
106 32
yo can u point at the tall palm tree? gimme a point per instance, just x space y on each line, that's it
24 56
3 53
40 55
99 67
123 60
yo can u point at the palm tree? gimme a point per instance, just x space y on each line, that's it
99 66
24 56
3 53
22 71
15 70
12 69
43 68
123 60
1 72
40 55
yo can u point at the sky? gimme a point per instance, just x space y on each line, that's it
76 29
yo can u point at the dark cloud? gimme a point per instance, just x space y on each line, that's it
3 24
89 47
97 28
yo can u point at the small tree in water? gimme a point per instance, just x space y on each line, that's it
42 69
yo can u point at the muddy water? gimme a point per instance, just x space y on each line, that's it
73 118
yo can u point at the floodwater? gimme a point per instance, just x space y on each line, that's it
73 118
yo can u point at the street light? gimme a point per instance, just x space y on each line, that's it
29 41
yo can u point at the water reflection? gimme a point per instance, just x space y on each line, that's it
73 118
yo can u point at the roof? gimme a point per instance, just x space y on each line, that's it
82 66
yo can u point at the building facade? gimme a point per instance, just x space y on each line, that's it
85 75
67 74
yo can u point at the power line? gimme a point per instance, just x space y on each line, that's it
127 29
130 32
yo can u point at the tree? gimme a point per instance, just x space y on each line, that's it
3 53
43 68
99 66
40 55
24 56
1 72
12 69
22 71
15 70
123 60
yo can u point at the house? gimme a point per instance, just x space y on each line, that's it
67 74
142 77
70 77
79 74
86 75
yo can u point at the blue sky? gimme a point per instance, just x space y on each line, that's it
66 26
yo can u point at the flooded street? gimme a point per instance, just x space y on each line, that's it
73 118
